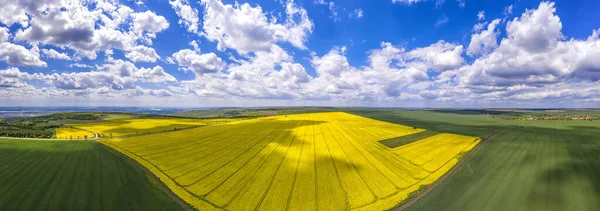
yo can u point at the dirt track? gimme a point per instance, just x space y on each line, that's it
441 179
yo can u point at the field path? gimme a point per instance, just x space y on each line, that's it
441 179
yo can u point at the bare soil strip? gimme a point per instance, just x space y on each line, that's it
441 179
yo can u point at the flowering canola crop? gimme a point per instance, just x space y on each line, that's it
124 127
320 161
69 133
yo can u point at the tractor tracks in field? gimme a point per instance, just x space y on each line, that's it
441 179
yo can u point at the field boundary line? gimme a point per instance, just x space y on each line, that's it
157 181
447 174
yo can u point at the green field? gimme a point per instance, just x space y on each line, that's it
403 140
73 175
534 165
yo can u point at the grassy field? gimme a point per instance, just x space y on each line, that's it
403 140
535 165
123 127
323 161
73 175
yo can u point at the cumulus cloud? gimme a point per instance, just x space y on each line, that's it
537 30
331 64
142 54
118 75
245 28
154 75
485 41
440 56
12 78
148 22
12 12
4 34
53 54
200 64
533 55
86 27
127 69
534 61
188 16
19 55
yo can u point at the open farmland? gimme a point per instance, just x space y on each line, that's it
324 161
528 165
73 175
124 127
70 133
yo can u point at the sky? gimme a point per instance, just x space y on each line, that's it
379 53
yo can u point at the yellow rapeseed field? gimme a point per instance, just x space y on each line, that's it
124 127
320 161
69 133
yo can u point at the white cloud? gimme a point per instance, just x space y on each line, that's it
438 3
440 56
79 65
142 54
406 1
148 22
331 64
247 29
357 13
12 12
86 27
169 60
508 10
536 59
485 41
481 15
19 55
441 21
4 34
194 44
53 54
537 30
154 75
118 75
334 14
12 78
188 16
200 64
534 62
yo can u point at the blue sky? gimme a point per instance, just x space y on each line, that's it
399 53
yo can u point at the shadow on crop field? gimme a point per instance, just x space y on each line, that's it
579 170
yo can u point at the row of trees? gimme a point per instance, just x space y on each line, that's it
26 133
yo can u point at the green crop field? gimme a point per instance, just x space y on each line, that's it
73 175
534 165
